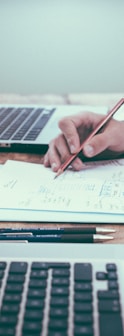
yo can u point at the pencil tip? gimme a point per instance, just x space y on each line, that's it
99 238
60 171
104 230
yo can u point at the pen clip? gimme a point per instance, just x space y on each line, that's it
14 241
16 234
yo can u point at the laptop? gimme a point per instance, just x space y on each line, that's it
30 128
51 290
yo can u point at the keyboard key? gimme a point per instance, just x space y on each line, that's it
61 272
111 267
16 278
83 272
112 284
83 330
109 306
110 324
59 265
8 320
38 274
57 324
83 307
34 304
36 293
8 309
57 333
18 267
7 331
107 294
32 326
101 276
12 298
83 286
58 312
14 288
1 274
83 319
33 315
62 282
59 301
2 265
37 283
60 291
39 266
83 297
29 333
112 275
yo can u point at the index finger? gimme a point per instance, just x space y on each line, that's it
69 126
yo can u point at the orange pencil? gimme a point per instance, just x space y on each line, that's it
95 131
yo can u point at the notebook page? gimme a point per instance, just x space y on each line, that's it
97 189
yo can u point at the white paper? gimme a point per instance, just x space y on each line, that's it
29 192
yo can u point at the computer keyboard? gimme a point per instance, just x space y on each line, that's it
23 123
45 298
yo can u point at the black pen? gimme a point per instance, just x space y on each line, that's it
53 230
78 238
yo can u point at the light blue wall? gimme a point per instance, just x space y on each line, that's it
57 46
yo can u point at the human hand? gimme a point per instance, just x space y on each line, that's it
109 143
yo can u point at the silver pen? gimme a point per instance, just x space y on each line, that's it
58 238
59 230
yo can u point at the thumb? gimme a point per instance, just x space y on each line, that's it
96 145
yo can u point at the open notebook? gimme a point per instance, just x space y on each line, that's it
48 290
29 192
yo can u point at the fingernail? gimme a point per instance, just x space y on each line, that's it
54 166
89 151
45 161
72 149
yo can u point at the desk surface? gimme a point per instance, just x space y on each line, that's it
83 99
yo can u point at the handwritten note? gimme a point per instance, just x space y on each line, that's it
99 188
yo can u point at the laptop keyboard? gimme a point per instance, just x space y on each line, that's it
23 123
60 298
